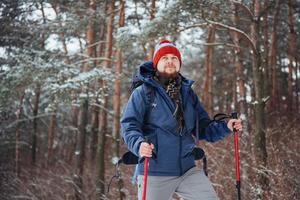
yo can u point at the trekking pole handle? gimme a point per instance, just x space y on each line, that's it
147 140
234 115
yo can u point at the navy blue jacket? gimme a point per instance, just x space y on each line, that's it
173 150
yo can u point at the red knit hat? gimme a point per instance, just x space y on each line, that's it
165 47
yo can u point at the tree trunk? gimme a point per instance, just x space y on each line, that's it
208 85
273 60
152 42
240 79
94 131
66 152
96 112
267 86
37 99
51 133
103 115
117 100
34 133
260 150
291 57
297 86
92 52
74 117
83 115
17 147
83 121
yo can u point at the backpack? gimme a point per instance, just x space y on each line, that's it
148 90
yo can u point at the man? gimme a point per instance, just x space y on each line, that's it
170 126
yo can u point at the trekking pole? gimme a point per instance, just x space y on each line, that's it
146 166
237 159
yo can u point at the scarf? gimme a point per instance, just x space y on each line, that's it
172 87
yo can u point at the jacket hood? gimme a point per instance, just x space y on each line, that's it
147 70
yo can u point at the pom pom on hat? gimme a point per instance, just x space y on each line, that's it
165 47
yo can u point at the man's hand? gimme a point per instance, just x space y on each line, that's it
146 149
235 123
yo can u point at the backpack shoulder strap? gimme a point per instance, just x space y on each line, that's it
149 93
194 97
203 156
194 102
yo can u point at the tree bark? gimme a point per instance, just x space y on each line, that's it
291 56
96 113
83 121
152 42
208 85
103 115
51 133
37 99
92 52
17 145
297 86
117 101
240 80
260 150
273 59
94 131
74 140
265 27
34 133
83 114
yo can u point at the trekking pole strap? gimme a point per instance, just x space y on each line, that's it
205 166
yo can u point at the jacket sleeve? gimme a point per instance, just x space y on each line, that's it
132 121
209 130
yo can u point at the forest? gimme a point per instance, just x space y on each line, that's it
66 68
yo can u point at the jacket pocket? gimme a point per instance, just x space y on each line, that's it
188 144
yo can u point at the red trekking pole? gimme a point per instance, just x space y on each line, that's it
146 166
237 159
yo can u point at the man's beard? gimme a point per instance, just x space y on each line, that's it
169 75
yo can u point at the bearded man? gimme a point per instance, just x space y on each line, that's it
171 127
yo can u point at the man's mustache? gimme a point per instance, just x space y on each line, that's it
170 65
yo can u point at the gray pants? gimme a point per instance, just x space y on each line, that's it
193 185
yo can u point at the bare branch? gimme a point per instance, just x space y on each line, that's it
240 32
203 25
221 44
245 8
91 59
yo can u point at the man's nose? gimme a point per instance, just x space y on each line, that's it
169 61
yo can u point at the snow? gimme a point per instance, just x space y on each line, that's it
114 160
37 14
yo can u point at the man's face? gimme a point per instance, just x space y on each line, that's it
168 65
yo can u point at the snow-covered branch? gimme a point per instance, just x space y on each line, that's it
240 32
